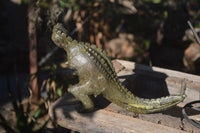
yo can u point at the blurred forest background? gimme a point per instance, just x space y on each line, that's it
150 32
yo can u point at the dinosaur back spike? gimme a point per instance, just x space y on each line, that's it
103 61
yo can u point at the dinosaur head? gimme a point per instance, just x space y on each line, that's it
59 36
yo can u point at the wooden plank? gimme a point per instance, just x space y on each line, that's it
170 73
150 81
101 121
195 117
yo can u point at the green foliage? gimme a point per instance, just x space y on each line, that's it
197 25
154 1
66 3
25 121
25 1
59 92
44 4
165 14
147 43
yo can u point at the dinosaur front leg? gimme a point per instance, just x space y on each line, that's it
82 92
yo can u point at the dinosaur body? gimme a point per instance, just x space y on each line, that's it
97 76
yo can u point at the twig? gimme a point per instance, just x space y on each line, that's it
194 33
47 56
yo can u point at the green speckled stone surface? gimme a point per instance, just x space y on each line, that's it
97 76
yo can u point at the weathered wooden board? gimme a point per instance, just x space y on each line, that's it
144 81
101 121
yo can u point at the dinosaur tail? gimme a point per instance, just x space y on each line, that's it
129 101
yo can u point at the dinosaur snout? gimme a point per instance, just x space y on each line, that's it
59 34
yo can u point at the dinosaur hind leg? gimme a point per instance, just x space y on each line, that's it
82 92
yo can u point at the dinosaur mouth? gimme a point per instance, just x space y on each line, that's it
60 29
59 34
